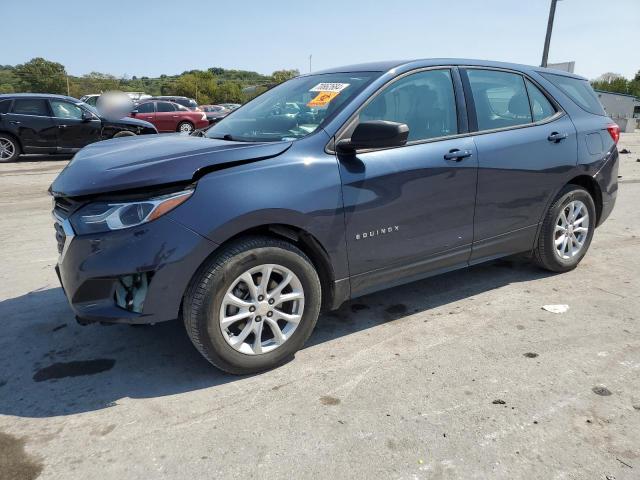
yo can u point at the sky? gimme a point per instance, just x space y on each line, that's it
149 38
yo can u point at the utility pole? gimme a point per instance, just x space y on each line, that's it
68 94
547 40
310 63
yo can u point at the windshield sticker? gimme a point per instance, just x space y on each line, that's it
322 99
329 87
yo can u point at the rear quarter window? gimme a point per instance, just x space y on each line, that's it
579 91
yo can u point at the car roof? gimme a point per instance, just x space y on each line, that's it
38 95
387 66
162 97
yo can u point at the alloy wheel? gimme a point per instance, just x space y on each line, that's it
186 128
7 149
261 309
571 230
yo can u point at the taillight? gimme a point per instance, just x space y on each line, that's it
614 131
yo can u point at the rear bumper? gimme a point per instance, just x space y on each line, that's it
162 254
607 178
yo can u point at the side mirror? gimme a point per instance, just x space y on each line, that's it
134 113
375 134
87 117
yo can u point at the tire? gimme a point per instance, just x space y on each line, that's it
124 133
9 148
185 127
546 253
205 303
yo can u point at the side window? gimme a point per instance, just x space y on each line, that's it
66 110
4 106
540 105
145 107
500 99
165 107
424 101
30 106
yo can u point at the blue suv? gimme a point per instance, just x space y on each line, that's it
327 187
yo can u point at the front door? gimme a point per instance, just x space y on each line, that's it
146 111
74 131
409 210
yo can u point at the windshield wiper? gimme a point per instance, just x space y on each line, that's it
227 137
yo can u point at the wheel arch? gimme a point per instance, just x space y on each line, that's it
309 245
591 186
14 136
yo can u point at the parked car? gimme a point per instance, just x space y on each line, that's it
90 99
51 124
397 172
190 103
169 116
230 106
214 113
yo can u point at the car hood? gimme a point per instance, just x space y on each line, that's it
136 122
152 160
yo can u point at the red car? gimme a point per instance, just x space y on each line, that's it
169 116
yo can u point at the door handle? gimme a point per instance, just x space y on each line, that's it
15 122
457 155
557 137
63 126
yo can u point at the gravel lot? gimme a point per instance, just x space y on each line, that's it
460 376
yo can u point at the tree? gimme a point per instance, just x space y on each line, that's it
41 76
280 76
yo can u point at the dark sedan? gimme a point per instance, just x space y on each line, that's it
215 113
56 124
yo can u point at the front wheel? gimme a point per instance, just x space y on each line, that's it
253 305
186 127
567 230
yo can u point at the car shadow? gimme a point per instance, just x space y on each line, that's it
51 366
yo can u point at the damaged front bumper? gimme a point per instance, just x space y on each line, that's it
136 275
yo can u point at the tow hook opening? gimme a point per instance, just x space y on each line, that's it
131 291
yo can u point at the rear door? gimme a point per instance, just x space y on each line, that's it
30 120
166 116
409 210
526 147
74 131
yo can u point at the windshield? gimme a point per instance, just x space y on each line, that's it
293 109
91 108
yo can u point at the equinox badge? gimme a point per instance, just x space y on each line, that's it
377 232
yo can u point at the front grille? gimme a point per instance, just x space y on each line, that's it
64 206
61 237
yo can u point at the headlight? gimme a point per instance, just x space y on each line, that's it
105 216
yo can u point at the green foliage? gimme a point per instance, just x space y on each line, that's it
42 76
280 76
613 82
213 85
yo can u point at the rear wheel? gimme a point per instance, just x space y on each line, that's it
9 148
567 230
185 127
253 305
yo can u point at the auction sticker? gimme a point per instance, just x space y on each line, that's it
329 87
322 99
